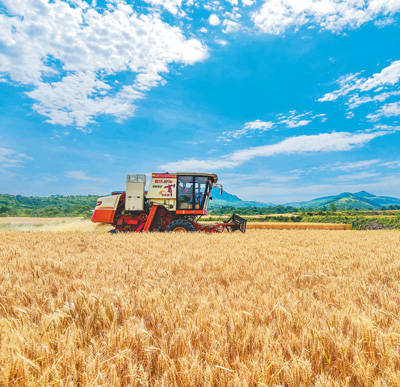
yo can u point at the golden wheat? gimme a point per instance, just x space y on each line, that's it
85 225
264 308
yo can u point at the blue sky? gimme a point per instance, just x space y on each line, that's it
285 100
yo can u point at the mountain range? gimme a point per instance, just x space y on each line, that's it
81 205
229 200
350 201
345 201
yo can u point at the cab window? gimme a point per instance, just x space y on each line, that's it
200 185
192 192
185 192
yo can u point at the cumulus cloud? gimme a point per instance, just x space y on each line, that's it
10 158
214 20
325 142
276 16
80 175
70 55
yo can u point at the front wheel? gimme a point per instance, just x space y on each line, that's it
181 226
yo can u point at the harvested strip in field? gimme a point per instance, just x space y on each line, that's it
298 226
57 224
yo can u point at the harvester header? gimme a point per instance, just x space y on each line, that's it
173 202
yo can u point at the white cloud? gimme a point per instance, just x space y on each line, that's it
172 6
346 84
265 175
221 42
9 158
248 129
70 55
343 166
212 5
388 110
230 26
290 120
258 125
391 164
276 16
70 52
325 142
294 120
356 101
378 88
389 76
358 176
340 166
234 15
350 166
80 175
214 20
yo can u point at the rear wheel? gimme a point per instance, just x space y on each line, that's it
181 226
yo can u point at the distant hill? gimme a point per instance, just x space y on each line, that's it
82 205
349 201
229 200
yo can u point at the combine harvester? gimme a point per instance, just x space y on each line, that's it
173 202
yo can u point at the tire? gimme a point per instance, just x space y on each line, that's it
181 226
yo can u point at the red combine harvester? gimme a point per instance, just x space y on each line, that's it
173 202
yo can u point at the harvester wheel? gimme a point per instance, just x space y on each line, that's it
180 226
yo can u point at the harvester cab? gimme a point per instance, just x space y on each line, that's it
173 202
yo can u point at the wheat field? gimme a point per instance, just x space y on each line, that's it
266 308
85 225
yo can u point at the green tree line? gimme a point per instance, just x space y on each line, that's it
51 206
